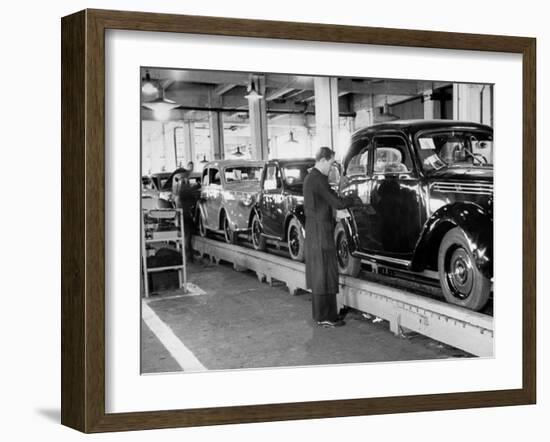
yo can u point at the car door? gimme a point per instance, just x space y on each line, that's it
212 195
356 182
271 201
394 222
204 194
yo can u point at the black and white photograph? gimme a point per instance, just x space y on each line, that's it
293 220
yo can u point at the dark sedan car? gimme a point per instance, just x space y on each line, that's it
426 189
279 212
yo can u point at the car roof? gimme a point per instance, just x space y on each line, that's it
414 126
233 162
285 161
161 174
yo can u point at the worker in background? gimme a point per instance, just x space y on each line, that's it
183 198
320 249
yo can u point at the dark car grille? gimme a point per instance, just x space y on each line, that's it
471 188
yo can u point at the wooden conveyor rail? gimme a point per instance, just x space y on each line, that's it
464 329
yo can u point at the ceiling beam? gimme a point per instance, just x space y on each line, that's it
166 84
278 93
295 93
388 87
223 88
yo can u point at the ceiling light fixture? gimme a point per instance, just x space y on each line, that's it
238 153
161 106
291 138
385 114
149 87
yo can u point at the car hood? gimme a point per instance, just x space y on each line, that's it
464 174
243 186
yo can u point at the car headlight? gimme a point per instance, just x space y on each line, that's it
247 200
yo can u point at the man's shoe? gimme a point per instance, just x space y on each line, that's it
330 324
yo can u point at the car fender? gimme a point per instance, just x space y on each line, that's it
255 211
477 225
199 211
221 210
297 212
344 217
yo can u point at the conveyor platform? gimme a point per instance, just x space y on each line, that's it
464 329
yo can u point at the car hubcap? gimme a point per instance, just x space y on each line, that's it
294 241
342 251
256 232
460 273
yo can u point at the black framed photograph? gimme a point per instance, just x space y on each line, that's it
266 209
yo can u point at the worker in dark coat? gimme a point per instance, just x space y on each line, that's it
320 249
184 199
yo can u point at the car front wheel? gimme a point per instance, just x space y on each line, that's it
202 227
347 264
462 282
258 241
296 240
229 235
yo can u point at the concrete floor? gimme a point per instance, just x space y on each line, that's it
242 323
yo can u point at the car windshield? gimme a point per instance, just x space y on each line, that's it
295 174
242 173
147 183
455 149
160 180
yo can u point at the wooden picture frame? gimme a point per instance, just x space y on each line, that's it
83 220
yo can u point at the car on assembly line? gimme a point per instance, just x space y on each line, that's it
152 191
228 194
279 213
426 192
193 190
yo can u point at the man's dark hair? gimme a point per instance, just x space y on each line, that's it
324 152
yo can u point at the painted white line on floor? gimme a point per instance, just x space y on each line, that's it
183 356
192 290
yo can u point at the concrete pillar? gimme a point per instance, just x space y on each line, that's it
429 113
258 120
216 136
472 102
168 152
326 111
189 142
487 105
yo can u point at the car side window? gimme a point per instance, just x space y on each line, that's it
391 155
359 164
214 176
205 180
272 179
334 174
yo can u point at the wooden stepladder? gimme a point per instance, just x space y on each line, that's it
163 226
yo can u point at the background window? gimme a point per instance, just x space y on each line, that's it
272 178
214 176
359 164
391 155
242 173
